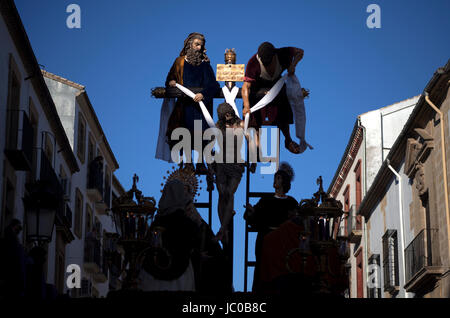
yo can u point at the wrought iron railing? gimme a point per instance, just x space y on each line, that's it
95 176
64 214
353 220
419 254
19 139
107 196
49 179
68 215
48 176
92 251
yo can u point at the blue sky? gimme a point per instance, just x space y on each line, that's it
125 48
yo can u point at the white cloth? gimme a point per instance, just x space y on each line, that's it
162 147
186 282
295 96
230 97
267 99
205 111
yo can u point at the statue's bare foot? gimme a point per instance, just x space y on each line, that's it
293 147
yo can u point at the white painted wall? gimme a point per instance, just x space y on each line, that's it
69 110
385 216
381 128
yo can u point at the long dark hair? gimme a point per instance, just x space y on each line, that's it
188 42
222 110
287 175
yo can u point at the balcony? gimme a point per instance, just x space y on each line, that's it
64 216
19 140
101 207
48 176
354 224
341 231
102 275
422 264
95 181
63 221
49 179
92 249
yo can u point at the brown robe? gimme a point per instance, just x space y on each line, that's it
175 74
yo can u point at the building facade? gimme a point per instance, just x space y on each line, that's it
92 186
406 209
373 135
50 135
34 147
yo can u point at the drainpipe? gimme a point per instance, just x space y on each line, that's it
364 158
402 235
444 164
363 219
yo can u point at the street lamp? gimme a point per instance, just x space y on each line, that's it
132 219
320 243
40 210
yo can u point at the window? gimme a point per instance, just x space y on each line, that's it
88 225
81 143
107 193
358 193
346 206
347 198
13 105
78 213
34 120
359 274
14 85
48 148
373 284
390 261
8 203
91 149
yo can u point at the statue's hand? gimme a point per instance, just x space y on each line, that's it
245 110
172 83
198 97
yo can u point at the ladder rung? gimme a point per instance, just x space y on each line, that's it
251 263
259 194
201 204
